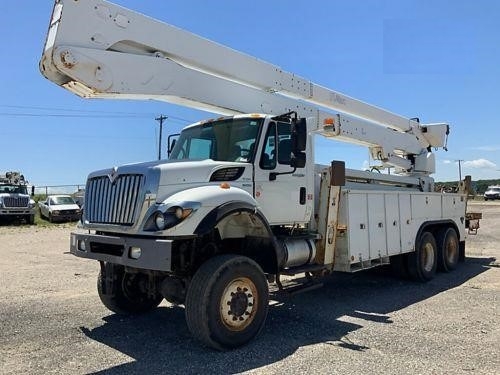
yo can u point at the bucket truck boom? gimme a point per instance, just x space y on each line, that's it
93 46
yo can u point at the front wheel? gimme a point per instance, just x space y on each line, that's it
422 263
125 293
227 302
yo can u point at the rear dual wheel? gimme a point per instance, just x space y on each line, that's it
422 263
448 249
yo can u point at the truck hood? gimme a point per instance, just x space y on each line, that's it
165 177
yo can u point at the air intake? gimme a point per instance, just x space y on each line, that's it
227 174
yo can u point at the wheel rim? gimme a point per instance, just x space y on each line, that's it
428 257
238 304
451 251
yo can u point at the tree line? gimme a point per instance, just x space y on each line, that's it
479 186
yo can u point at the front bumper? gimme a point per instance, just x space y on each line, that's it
17 211
492 196
66 217
156 254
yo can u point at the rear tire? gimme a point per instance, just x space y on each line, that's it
448 249
125 293
227 302
422 263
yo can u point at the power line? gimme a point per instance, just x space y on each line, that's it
80 113
66 115
73 110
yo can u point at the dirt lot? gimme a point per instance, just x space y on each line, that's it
51 319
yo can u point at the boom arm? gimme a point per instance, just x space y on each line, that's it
97 49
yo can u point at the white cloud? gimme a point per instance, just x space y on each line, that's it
366 165
480 164
447 161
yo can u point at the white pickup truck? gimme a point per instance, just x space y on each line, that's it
59 208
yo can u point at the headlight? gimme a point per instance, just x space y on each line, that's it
169 216
160 220
55 212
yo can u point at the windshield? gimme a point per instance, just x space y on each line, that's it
494 190
13 189
225 140
62 200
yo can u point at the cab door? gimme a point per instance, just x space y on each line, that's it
282 196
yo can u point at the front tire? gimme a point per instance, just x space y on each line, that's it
227 302
422 263
125 293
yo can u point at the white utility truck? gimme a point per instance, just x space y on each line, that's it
240 202
15 201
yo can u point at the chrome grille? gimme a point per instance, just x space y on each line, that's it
11 202
114 202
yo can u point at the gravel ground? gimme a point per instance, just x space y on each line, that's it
52 321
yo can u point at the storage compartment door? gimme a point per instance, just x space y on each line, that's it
376 225
392 224
358 227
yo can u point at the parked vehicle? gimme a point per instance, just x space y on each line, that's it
59 208
15 201
492 193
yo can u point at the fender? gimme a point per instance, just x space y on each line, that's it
211 195
206 198
229 208
437 223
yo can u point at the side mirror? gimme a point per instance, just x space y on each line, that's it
298 160
171 143
299 135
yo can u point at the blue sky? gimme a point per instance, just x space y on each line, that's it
437 60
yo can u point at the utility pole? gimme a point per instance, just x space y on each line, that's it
459 169
160 120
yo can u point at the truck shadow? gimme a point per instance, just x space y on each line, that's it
159 342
